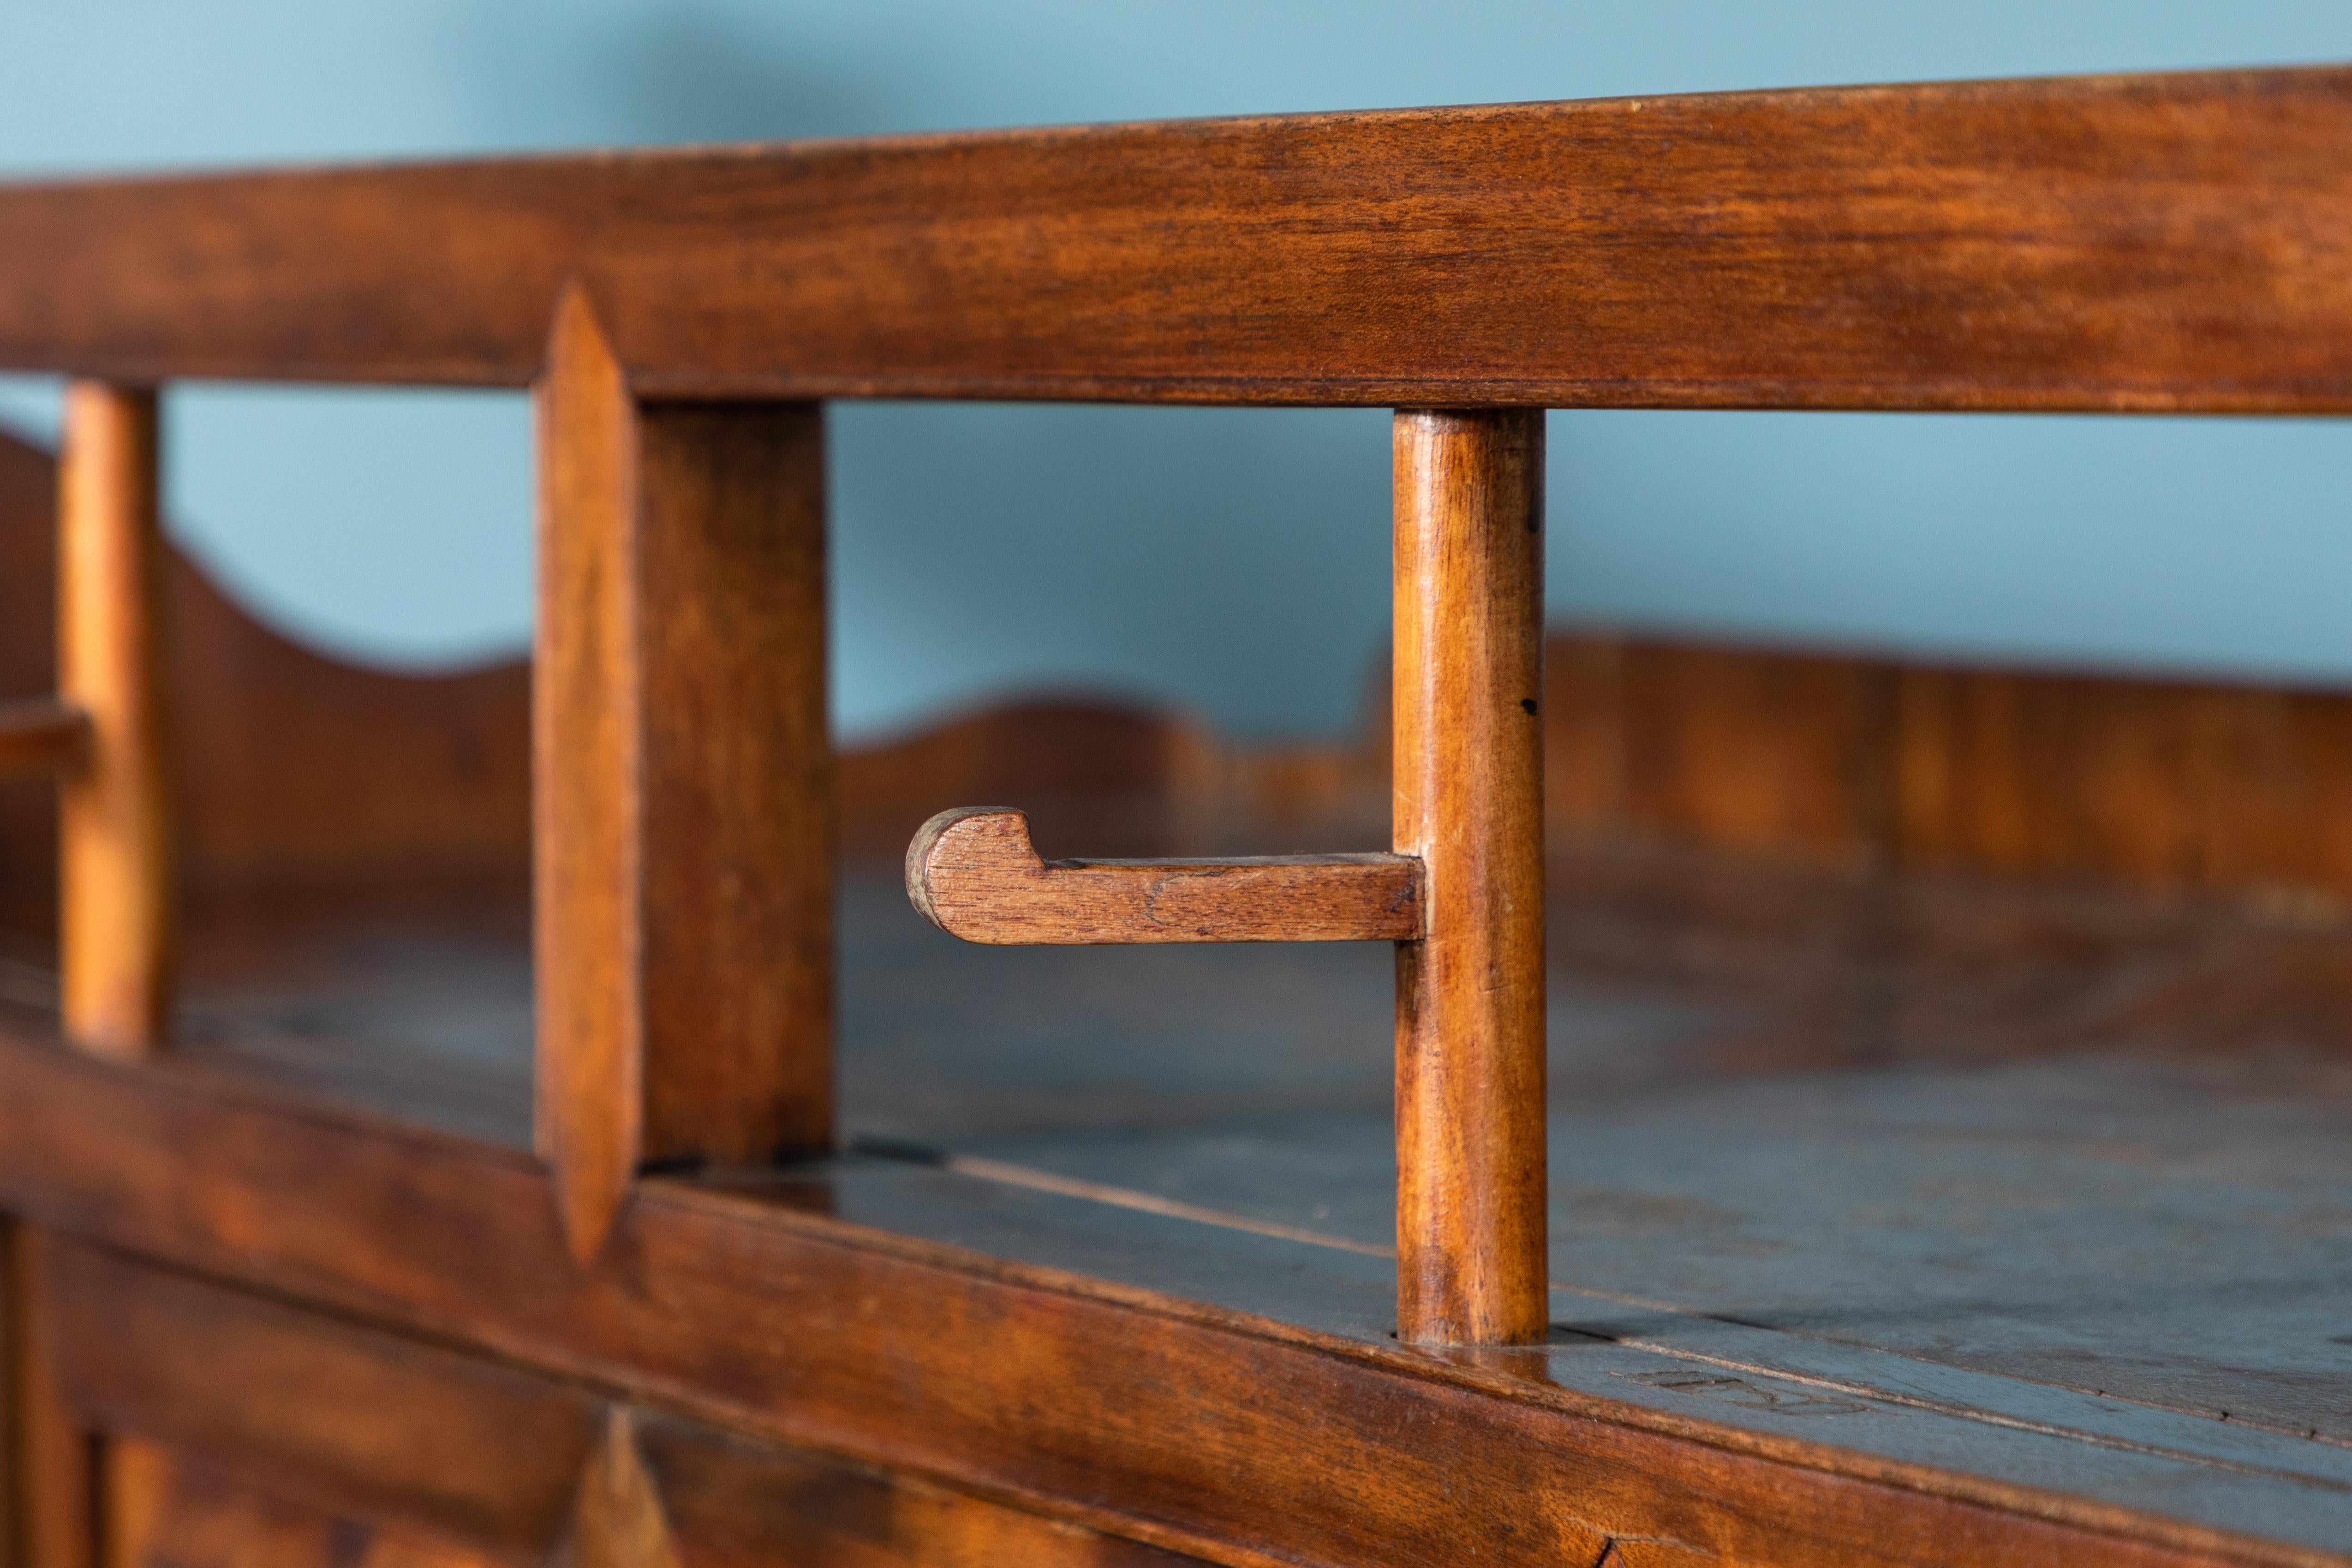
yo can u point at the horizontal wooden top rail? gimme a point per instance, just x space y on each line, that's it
2168 243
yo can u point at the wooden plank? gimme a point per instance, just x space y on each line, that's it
972 873
737 867
1018 1382
683 781
1469 805
1763 751
1872 765
41 734
115 849
51 1450
730 1502
465 1450
168 1509
2153 243
16 1480
502 1466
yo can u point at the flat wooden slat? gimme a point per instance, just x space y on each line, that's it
683 780
114 841
478 1452
2159 243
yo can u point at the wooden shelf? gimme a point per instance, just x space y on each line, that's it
2003 1181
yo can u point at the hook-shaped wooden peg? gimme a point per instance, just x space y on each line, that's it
972 874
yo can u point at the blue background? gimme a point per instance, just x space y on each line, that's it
1231 561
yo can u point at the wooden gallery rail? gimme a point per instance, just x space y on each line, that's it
2163 245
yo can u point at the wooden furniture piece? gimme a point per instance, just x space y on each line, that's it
491 1188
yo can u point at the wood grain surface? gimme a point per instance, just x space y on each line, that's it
1469 806
972 873
53 1490
1040 1343
2158 242
752 1308
41 734
159 1508
1776 1092
233 1412
683 776
116 858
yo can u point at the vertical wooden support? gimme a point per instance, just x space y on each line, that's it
683 780
1469 803
55 1481
16 1479
114 843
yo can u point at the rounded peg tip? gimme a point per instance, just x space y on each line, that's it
959 844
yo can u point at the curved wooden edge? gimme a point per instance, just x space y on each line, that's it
972 873
41 734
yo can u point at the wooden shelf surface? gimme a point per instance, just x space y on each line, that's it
2037 1187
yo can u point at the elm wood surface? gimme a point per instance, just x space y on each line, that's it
1981 1140
50 1452
1468 791
1667 967
1858 762
41 734
2161 243
485 1455
164 1510
941 1360
972 873
477 1458
1996 972
683 778
116 861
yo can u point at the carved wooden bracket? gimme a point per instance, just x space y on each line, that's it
973 873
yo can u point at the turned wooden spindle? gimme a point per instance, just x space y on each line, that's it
1469 804
972 873
114 844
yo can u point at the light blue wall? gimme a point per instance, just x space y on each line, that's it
1233 561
